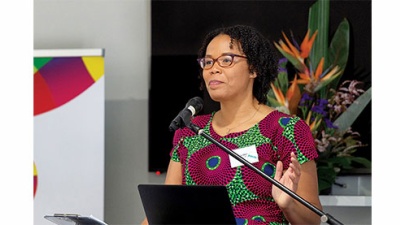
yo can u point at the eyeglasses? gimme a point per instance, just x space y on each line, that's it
223 61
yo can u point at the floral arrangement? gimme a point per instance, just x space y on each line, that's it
315 94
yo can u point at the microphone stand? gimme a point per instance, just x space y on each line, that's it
326 218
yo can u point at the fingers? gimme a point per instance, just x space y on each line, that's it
293 171
279 170
294 167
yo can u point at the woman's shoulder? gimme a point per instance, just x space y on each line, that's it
277 115
282 119
199 120
202 120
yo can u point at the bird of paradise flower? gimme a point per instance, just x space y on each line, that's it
313 93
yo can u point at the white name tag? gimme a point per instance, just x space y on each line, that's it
248 153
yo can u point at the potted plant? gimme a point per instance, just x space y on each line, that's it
316 93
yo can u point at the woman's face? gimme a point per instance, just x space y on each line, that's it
226 83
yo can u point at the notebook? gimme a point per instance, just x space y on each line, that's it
186 204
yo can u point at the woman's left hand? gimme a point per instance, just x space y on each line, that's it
289 178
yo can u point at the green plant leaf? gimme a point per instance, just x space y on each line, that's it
272 102
282 82
363 161
342 162
326 177
347 118
339 49
318 19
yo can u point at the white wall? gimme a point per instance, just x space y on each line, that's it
122 28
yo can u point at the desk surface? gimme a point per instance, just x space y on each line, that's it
342 200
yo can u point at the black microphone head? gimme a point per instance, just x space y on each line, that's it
193 107
196 103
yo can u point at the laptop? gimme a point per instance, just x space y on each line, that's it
186 204
73 219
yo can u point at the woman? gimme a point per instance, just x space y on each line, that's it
238 64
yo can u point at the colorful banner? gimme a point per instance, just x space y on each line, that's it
68 133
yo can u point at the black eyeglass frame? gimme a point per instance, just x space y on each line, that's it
216 60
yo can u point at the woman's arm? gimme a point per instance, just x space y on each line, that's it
174 173
303 180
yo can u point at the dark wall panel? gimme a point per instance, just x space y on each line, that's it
177 30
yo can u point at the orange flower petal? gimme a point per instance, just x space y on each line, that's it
278 94
293 95
307 120
307 43
294 49
292 89
304 76
300 81
316 124
286 48
312 126
318 71
331 73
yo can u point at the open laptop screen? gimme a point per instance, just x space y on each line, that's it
185 204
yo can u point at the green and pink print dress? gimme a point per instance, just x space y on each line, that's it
204 163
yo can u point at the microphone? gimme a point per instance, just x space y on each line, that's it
193 106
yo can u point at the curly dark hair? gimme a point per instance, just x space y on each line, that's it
261 56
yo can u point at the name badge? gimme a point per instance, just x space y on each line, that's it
248 153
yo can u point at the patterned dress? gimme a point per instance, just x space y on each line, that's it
204 163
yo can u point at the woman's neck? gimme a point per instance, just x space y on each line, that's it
238 117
